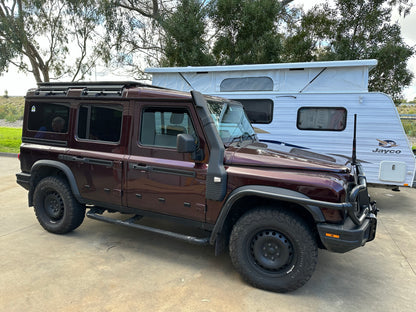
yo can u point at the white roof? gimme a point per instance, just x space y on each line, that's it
307 77
189 69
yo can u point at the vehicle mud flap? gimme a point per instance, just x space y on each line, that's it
372 228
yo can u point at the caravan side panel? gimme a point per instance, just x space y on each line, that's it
382 145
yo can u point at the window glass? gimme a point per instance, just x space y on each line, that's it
258 110
322 118
247 84
100 123
48 117
160 127
231 121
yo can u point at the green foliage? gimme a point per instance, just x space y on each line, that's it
360 29
11 108
247 31
409 125
10 139
184 32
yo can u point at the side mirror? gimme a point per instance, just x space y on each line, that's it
185 143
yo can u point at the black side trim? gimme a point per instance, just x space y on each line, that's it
180 172
44 141
275 193
86 160
151 214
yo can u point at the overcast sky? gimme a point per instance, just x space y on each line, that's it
18 83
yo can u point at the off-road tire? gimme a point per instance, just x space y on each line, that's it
273 249
56 208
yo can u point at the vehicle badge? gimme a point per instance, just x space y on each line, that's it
387 143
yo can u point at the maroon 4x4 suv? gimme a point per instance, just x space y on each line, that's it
192 159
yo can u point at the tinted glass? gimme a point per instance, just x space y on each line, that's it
48 117
322 118
100 123
258 110
247 84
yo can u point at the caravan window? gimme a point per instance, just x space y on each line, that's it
322 118
258 110
247 84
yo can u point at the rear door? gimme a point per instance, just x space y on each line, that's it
98 151
159 178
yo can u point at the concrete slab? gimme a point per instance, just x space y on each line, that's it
103 267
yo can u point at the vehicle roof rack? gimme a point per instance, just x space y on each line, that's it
90 85
90 88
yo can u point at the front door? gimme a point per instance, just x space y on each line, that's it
159 178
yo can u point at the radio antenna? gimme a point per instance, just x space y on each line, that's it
354 142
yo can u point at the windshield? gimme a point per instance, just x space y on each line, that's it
231 122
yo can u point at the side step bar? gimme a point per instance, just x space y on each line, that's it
96 215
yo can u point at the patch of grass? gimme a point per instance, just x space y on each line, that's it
409 127
10 139
11 108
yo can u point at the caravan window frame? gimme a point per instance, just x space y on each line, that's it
335 129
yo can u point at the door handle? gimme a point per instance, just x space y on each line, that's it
142 167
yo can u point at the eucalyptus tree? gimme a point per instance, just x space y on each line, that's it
50 39
361 29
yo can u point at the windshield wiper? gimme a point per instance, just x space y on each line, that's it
242 137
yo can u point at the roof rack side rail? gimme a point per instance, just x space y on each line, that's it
89 88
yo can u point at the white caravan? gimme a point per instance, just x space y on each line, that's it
310 107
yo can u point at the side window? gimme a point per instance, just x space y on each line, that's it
258 110
100 123
48 117
160 126
247 84
322 118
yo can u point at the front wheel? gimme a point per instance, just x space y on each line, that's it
55 207
273 249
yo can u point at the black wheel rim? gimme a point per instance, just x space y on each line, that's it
272 252
54 206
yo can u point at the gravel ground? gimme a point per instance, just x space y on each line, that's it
16 124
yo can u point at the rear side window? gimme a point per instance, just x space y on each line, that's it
322 118
258 110
100 122
48 117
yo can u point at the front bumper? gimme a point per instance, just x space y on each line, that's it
347 236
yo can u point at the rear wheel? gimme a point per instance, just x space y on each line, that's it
273 249
55 207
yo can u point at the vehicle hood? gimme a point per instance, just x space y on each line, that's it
258 155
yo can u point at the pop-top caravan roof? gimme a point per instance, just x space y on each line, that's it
311 77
